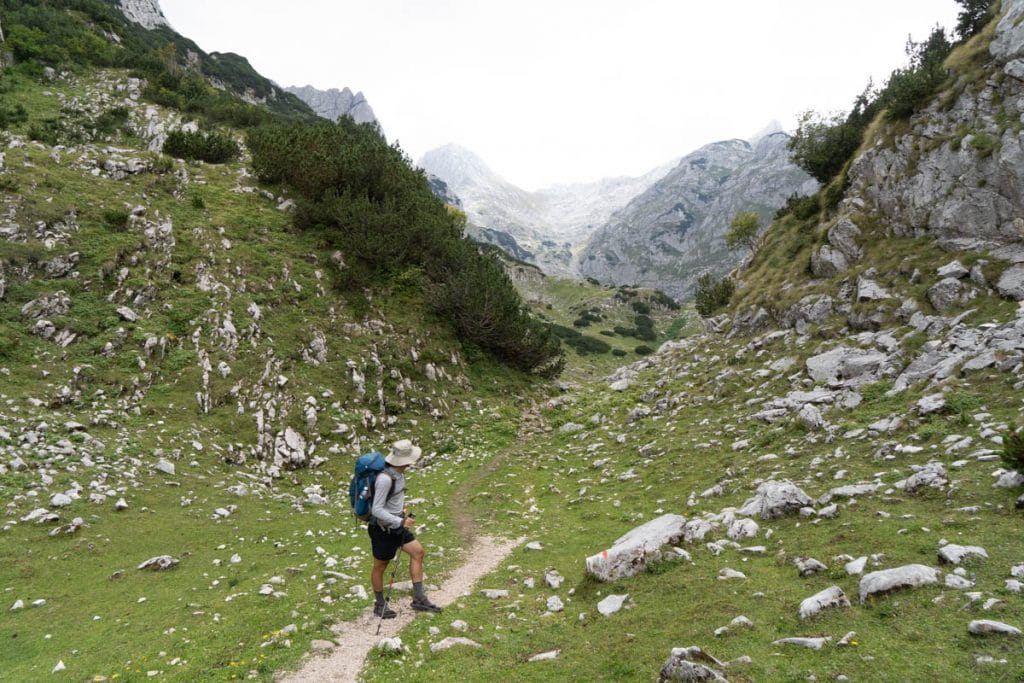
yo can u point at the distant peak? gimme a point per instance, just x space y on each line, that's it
771 129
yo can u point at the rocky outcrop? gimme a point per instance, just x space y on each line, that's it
145 13
671 233
332 104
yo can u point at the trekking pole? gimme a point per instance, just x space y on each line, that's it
387 596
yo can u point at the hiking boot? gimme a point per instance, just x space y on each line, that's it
384 612
424 605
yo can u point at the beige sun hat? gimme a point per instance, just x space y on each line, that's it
403 453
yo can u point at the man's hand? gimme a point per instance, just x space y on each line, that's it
408 522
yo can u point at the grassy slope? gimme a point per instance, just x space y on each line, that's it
206 618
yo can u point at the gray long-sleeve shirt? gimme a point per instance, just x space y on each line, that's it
387 506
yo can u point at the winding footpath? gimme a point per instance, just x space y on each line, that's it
355 639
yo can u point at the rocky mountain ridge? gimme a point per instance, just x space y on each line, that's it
667 236
545 227
332 103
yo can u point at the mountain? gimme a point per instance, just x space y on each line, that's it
666 236
333 103
545 227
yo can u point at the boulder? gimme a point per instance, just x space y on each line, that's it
830 597
932 403
630 554
160 563
49 306
827 262
953 269
611 604
945 294
987 627
290 449
846 363
809 643
1011 282
452 641
691 664
955 554
774 499
907 576
869 290
932 475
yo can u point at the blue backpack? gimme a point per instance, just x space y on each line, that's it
360 489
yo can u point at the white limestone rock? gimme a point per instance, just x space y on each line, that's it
810 643
160 563
987 627
955 554
692 664
885 580
774 499
611 604
631 553
452 641
830 597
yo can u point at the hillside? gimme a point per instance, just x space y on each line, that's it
812 485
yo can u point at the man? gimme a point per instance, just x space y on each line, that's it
389 529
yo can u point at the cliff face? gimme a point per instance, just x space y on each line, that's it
333 104
145 13
671 233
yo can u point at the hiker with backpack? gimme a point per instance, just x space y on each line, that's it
389 524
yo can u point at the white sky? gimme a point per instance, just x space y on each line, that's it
553 91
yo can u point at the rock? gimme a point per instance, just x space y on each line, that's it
1009 479
849 491
955 554
390 644
160 563
460 625
164 465
452 641
774 499
810 417
60 667
321 645
127 314
856 567
59 500
742 528
51 306
1011 282
18 604
886 580
830 597
545 656
808 566
631 553
869 290
60 266
932 475
290 449
494 593
121 505
827 262
932 403
534 545
847 640
958 582
555 604
553 579
846 364
691 664
953 269
611 604
986 627
810 643
726 573
946 294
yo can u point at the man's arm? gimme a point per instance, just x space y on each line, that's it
382 487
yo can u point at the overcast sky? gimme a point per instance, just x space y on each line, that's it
557 91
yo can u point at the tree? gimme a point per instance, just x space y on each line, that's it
743 231
974 14
712 294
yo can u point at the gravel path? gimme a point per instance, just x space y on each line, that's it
356 638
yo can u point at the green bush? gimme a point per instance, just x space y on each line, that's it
363 197
563 332
641 307
585 345
712 294
663 299
643 350
618 352
984 144
1013 450
110 121
116 219
213 147
12 116
910 88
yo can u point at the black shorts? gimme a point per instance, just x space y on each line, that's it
385 542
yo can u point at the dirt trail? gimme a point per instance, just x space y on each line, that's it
356 638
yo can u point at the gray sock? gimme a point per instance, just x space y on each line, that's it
417 591
378 597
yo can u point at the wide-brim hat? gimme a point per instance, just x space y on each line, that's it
403 453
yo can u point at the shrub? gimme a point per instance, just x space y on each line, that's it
641 307
12 116
801 208
663 299
110 121
743 231
581 322
116 219
213 148
712 294
643 350
563 332
910 88
1013 450
584 345
618 352
984 144
606 333
198 202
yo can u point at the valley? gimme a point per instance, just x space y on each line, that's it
815 476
